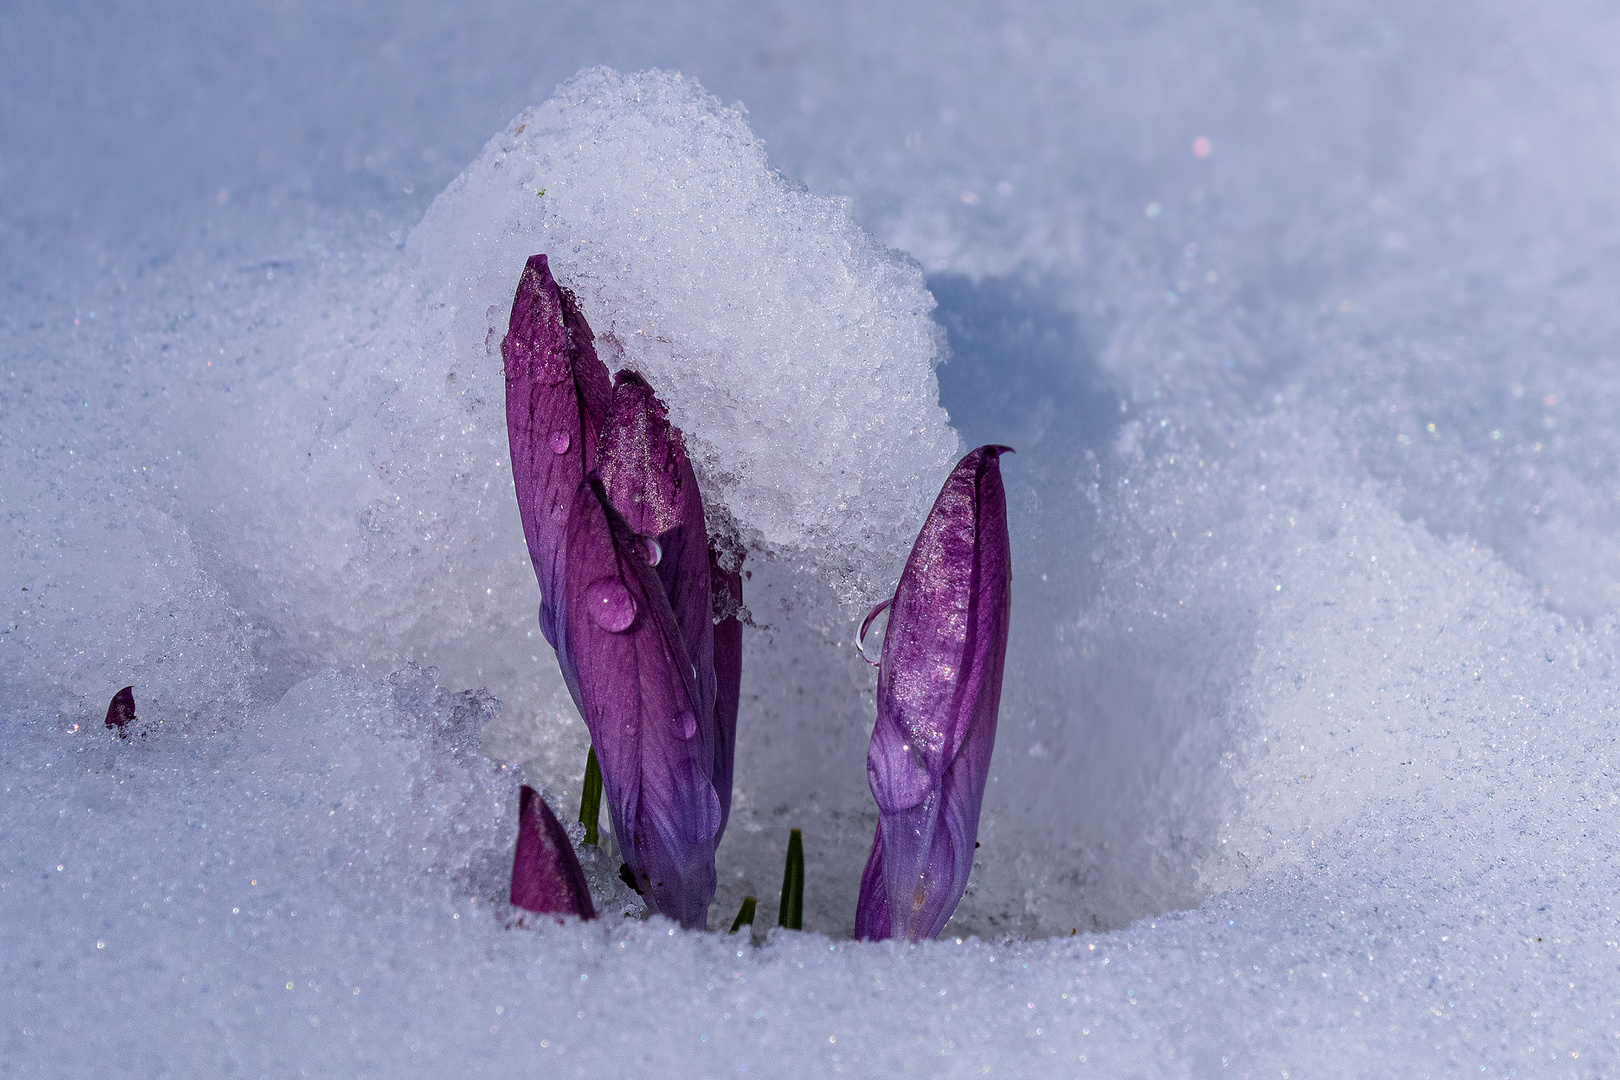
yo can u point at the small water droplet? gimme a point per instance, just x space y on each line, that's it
652 549
610 604
560 442
684 726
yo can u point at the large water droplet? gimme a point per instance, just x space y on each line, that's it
560 442
860 635
684 726
652 549
610 604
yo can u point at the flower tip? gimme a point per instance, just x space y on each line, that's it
539 265
631 377
546 875
938 695
536 319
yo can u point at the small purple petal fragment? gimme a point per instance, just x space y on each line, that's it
557 395
632 682
546 875
728 645
121 710
939 690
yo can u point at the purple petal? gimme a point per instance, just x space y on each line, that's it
727 585
639 698
557 395
939 689
121 710
649 481
546 876
872 909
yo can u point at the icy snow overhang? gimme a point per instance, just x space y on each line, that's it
795 353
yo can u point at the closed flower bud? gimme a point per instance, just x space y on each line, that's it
939 689
648 479
639 696
557 396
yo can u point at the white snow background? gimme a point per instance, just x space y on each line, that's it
1303 320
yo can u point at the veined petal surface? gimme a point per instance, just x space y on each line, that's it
649 481
639 697
557 396
939 691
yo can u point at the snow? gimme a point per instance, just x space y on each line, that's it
1300 321
798 356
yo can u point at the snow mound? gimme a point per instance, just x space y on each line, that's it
796 354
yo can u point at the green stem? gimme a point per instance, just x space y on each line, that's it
590 799
791 912
745 915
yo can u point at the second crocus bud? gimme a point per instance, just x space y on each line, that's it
939 691
648 479
639 695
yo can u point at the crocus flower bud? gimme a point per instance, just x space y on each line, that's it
639 695
546 876
648 479
557 396
939 688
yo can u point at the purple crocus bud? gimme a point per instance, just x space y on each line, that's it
648 479
557 396
546 876
638 692
939 688
727 587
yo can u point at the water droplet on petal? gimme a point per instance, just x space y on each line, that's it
860 635
652 549
684 726
610 604
560 442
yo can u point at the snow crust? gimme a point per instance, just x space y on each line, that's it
1300 321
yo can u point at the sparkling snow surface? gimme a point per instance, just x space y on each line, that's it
1303 323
